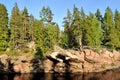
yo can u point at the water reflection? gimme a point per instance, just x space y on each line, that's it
107 75
23 77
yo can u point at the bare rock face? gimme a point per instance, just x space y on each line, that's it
48 66
22 68
4 62
75 67
87 60
60 67
88 67
91 56
32 66
61 61
116 56
107 56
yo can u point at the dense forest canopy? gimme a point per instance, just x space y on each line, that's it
21 28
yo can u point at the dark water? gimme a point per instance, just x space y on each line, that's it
107 75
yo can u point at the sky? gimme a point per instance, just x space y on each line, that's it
59 7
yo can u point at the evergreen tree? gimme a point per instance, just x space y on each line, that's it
3 28
49 31
93 32
39 37
117 29
99 16
82 23
15 27
52 31
31 21
25 29
46 14
83 15
76 27
109 29
67 34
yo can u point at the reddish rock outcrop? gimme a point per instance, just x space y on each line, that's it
61 60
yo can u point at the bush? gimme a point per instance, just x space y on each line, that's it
26 50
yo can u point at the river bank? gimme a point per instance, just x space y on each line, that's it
106 75
61 61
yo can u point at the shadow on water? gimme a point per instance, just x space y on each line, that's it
106 75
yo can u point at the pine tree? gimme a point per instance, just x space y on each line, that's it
3 28
46 14
51 28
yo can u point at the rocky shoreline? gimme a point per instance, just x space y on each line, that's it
61 61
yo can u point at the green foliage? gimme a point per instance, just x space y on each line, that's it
46 34
98 15
69 30
111 37
52 33
31 29
15 27
39 35
25 29
46 14
79 30
117 29
76 25
26 50
4 36
64 40
92 34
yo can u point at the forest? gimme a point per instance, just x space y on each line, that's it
21 28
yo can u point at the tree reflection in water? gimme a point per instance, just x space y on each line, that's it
106 75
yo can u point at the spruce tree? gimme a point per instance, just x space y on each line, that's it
98 15
92 32
31 29
76 27
3 28
39 37
25 29
110 36
66 34
15 27
117 29
52 31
